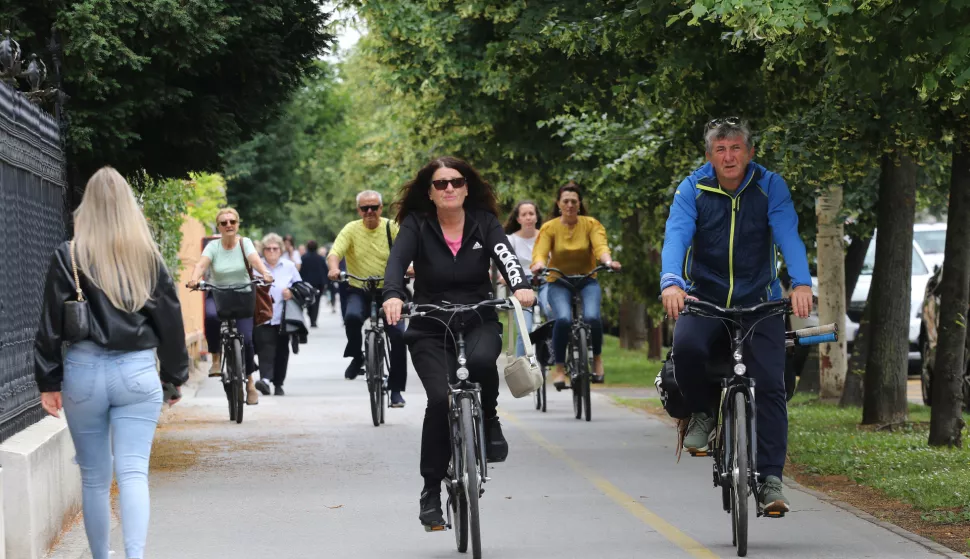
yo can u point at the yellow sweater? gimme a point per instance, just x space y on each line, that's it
574 250
366 250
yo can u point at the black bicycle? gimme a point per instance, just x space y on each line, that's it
734 440
467 471
376 363
579 351
233 302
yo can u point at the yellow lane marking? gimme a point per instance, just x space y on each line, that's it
645 515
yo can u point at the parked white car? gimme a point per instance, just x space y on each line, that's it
931 238
857 303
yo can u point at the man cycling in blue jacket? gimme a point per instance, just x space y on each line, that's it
727 221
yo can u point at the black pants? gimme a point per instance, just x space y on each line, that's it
273 349
697 338
358 311
435 359
313 310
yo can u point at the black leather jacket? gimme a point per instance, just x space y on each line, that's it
157 325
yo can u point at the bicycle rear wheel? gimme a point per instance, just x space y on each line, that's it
237 385
373 377
584 375
471 476
739 473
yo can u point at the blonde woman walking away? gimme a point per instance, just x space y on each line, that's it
106 379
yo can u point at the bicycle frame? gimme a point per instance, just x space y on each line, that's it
459 390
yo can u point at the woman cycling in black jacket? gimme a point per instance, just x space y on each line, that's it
450 230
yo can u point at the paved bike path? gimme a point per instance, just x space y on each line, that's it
307 475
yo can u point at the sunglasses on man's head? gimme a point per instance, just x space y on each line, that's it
370 208
227 222
442 184
730 121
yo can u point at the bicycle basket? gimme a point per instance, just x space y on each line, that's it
235 304
673 400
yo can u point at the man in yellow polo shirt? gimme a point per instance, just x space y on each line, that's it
366 244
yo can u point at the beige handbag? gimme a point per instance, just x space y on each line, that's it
522 373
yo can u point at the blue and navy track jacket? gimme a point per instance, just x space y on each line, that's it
722 247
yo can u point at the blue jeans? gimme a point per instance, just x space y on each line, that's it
560 299
112 400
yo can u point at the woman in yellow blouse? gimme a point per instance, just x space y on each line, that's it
574 243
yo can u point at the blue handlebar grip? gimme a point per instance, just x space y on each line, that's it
814 340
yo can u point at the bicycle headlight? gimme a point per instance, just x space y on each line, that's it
737 355
462 360
462 373
739 369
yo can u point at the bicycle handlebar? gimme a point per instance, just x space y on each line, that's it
412 310
696 305
205 286
577 277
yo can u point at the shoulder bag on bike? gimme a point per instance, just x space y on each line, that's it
670 395
264 301
77 317
522 373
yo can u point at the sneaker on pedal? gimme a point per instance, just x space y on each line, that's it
772 498
698 433
397 401
353 369
496 447
431 516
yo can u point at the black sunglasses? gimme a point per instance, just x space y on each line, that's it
442 184
730 121
371 208
227 222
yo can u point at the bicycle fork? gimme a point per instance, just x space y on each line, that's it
739 382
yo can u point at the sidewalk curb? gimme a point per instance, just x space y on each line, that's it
915 538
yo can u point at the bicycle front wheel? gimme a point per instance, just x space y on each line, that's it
373 377
471 481
237 385
739 473
584 374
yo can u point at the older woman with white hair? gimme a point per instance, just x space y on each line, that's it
271 338
110 299
228 258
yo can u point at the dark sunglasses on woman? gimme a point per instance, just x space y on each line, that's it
227 222
442 184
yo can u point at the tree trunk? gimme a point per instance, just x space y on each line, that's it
890 294
855 257
831 289
633 323
852 392
655 339
946 419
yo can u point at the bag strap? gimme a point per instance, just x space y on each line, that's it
249 268
390 242
523 330
77 281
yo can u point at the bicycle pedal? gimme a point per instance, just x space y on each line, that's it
775 514
441 528
698 453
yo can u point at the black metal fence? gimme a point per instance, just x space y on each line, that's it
32 223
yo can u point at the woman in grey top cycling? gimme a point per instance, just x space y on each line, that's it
229 268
